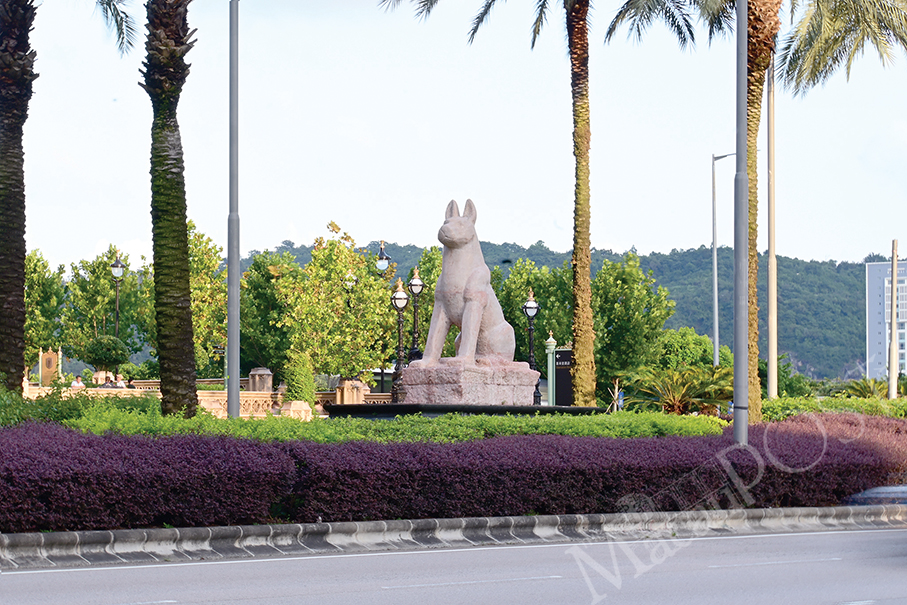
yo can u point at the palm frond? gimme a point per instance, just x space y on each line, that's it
120 22
541 15
423 7
479 19
832 33
639 14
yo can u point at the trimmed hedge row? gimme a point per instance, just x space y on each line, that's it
53 478
444 429
785 407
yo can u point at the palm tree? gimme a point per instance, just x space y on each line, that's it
577 19
17 72
165 71
830 32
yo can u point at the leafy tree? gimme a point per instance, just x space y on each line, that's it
264 341
551 289
298 373
683 347
17 72
630 312
790 383
208 287
338 311
165 72
44 295
106 352
91 305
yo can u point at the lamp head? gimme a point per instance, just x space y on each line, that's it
531 307
399 298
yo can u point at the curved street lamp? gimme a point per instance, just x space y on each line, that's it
399 300
530 309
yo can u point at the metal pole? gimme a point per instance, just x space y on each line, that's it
398 367
116 320
741 222
894 365
715 263
233 223
772 354
414 352
537 394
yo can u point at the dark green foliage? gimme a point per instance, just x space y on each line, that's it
106 352
264 342
790 384
299 378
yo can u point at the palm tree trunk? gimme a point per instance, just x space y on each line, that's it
583 370
165 73
763 24
16 77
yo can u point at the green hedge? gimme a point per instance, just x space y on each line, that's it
102 418
775 410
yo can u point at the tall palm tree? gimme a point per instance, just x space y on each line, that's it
830 32
577 18
17 72
165 71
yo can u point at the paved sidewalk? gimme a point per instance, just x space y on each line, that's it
78 549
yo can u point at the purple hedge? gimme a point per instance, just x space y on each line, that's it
58 479
55 478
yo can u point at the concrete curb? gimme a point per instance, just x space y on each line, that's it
85 548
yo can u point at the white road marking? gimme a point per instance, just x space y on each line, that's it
775 563
471 582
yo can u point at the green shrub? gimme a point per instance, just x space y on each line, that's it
106 352
299 378
775 410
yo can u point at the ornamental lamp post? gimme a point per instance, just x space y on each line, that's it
415 285
117 268
382 263
530 309
550 347
399 300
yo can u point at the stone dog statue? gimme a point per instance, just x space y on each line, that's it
464 298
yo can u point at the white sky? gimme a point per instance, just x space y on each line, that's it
376 120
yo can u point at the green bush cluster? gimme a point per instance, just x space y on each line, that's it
62 404
775 410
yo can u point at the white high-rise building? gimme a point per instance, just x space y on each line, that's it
878 317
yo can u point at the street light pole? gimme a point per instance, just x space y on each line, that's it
715 158
530 309
399 300
117 268
741 242
416 285
233 270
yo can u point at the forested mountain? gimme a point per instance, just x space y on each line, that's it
821 305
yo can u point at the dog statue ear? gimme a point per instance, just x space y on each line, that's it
452 209
470 211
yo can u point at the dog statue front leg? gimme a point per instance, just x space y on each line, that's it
469 333
437 333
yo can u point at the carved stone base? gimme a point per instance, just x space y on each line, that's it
508 383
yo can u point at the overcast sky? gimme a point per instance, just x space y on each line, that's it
376 120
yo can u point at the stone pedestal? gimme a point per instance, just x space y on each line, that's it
506 383
350 391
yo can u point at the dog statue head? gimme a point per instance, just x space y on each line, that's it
457 231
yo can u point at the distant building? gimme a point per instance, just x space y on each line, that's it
878 314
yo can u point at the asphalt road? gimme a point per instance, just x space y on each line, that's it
865 567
